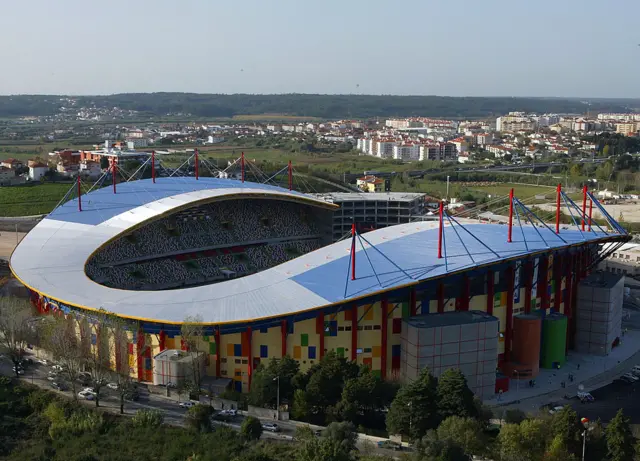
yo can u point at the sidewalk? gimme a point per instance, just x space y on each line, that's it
593 373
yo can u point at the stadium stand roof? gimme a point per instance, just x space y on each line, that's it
52 257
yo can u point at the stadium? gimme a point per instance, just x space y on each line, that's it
254 263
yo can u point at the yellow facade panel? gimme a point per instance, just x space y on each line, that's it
376 351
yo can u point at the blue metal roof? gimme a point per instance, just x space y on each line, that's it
408 259
102 204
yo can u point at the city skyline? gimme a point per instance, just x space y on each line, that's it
495 48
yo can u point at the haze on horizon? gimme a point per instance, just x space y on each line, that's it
568 48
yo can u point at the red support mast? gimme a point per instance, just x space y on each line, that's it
590 213
440 230
558 193
196 163
290 176
153 166
353 251
242 166
584 205
79 195
113 174
510 216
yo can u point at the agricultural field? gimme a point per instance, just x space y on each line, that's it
31 200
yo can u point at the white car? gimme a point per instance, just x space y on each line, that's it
90 390
85 395
630 377
52 377
57 367
42 361
554 410
229 412
187 404
636 370
271 427
113 386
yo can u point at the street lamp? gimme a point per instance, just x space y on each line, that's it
410 415
277 378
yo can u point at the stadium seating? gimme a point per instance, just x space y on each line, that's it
205 244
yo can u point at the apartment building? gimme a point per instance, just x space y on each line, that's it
406 152
441 151
384 148
627 128
370 183
484 139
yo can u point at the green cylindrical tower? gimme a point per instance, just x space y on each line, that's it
554 341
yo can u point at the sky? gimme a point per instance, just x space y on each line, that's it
563 48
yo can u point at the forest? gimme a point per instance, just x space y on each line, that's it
307 105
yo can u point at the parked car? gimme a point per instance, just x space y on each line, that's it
636 370
187 404
624 380
58 386
230 412
113 386
57 367
86 395
271 427
20 370
631 377
389 445
555 409
585 397
43 361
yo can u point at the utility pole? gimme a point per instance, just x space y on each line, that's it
277 378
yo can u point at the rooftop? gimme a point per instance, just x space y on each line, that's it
370 196
449 318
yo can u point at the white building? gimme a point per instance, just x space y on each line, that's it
90 168
483 139
498 151
215 139
136 143
406 152
37 171
384 149
441 151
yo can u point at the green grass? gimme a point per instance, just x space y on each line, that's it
31 200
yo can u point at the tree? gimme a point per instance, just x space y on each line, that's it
191 334
251 428
454 396
17 329
558 451
566 425
526 441
326 382
514 416
620 441
300 408
198 418
148 418
60 337
432 448
337 443
264 383
97 357
360 395
415 410
465 432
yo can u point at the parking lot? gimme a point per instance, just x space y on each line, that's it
608 400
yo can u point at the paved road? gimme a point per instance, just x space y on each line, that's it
173 413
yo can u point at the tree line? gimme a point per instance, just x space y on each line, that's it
307 105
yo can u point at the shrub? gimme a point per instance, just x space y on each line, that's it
251 428
148 418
